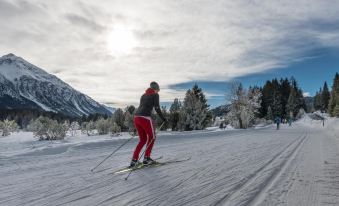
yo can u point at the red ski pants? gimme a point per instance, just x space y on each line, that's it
145 128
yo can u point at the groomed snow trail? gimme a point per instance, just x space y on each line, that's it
296 165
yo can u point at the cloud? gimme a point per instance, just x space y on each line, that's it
177 41
82 21
306 94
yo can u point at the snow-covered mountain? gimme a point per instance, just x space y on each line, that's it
25 86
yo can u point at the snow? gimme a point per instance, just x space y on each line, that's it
23 143
23 80
295 165
20 67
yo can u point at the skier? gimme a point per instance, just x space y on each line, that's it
290 121
278 121
145 125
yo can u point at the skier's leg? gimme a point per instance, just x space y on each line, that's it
142 137
151 138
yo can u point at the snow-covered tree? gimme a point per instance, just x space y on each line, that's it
244 106
292 103
102 126
48 129
73 128
114 128
8 126
301 113
129 120
88 128
194 112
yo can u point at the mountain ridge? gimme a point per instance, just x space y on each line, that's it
24 85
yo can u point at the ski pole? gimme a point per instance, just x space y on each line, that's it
112 153
130 172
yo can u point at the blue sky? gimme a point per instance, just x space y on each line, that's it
311 73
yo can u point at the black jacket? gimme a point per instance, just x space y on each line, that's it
148 101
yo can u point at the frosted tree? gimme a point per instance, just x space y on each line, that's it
292 103
8 126
74 127
193 114
254 98
114 129
301 113
89 127
57 131
102 126
48 129
129 121
244 105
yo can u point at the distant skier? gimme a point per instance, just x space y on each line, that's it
278 121
145 125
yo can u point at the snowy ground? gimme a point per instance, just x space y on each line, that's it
296 165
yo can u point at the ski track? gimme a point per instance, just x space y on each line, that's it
296 165
253 178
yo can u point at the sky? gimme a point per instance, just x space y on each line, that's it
112 50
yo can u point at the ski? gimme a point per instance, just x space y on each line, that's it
141 166
102 170
158 158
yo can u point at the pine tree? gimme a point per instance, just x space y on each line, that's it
269 113
174 114
276 99
292 103
119 118
194 113
129 120
159 121
336 111
201 96
318 100
266 98
285 89
334 100
325 98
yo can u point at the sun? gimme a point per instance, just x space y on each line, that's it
121 41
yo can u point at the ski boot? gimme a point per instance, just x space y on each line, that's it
148 161
134 163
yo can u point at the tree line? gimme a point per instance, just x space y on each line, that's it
244 108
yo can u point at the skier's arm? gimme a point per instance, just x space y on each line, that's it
157 108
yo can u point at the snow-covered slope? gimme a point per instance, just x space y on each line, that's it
295 165
23 85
